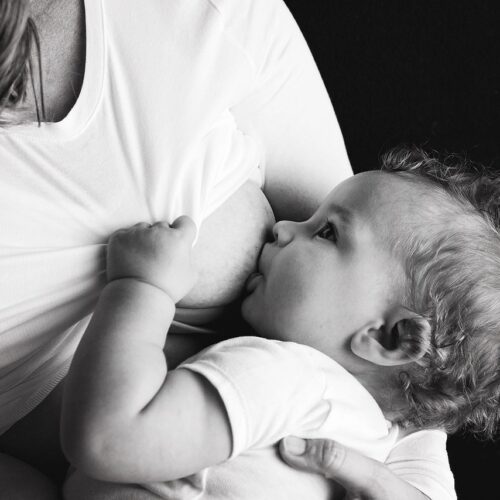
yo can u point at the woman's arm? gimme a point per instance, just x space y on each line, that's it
289 110
418 457
120 402
362 477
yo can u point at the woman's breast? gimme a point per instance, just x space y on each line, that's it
228 246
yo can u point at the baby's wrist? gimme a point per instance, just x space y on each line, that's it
139 285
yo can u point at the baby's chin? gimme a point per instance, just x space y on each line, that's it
260 326
248 310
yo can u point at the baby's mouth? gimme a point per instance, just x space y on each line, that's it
253 281
257 276
261 265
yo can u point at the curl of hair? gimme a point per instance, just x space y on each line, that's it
18 33
453 275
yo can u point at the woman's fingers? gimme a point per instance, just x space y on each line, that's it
356 473
315 455
362 477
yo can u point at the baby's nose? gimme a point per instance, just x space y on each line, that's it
283 232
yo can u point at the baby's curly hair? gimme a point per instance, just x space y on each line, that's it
452 263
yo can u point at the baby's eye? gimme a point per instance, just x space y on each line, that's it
328 231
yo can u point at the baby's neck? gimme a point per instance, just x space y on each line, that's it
380 383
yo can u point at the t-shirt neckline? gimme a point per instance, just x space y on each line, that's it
92 86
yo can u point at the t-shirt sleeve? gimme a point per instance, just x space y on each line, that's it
269 391
421 460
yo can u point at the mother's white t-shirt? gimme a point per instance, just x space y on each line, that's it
150 137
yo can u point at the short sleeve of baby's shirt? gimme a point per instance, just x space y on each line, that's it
268 389
421 460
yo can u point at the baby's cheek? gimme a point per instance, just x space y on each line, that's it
228 246
291 298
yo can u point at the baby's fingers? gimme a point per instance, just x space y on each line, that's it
186 225
141 225
131 229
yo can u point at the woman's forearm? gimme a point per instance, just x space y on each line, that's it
119 365
361 476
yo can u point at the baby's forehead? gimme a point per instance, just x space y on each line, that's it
393 205
393 187
381 194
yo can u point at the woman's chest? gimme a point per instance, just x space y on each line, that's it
228 247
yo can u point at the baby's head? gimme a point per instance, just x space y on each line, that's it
397 277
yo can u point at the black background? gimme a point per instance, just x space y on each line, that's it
415 72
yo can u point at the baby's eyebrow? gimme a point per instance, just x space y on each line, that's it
346 216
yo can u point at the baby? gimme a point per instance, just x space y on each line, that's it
376 317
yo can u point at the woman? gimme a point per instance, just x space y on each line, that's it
148 110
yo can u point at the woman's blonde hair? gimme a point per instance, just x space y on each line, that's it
18 34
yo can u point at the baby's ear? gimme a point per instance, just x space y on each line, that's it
404 338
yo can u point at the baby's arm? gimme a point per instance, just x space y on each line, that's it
125 417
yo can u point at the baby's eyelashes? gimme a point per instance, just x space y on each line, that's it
328 231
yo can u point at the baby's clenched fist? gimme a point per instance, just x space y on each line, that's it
158 254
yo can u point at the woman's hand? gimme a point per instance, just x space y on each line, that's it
158 254
362 477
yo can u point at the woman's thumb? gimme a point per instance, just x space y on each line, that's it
322 456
